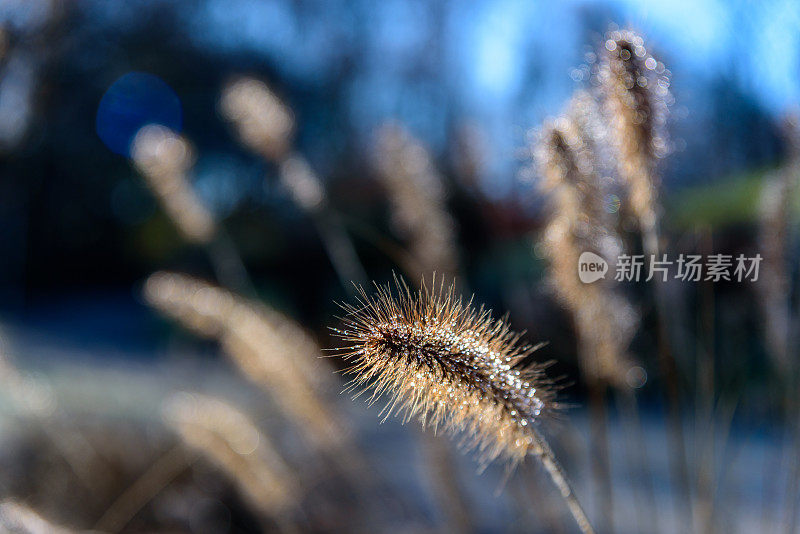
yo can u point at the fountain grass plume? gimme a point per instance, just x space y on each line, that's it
418 200
635 90
578 223
453 367
269 348
164 159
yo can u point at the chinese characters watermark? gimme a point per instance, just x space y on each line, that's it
686 267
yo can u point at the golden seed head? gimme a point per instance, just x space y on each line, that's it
163 158
263 122
419 203
570 166
448 365
302 183
635 89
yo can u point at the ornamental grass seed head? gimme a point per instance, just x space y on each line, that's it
450 366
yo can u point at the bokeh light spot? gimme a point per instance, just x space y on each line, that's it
636 377
133 101
612 203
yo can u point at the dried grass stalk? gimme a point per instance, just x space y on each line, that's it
454 367
635 89
163 158
774 238
308 193
773 285
266 126
268 347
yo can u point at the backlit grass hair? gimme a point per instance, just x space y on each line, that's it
452 366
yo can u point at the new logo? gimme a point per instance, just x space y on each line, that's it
591 267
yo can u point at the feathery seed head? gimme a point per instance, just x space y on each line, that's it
449 365
164 158
567 164
268 347
419 210
263 122
570 167
635 87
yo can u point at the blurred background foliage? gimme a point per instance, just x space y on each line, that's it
470 80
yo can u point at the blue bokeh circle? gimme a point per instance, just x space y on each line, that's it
135 100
